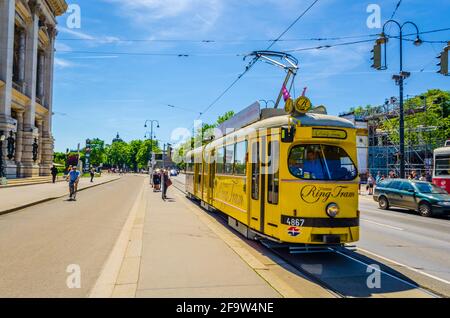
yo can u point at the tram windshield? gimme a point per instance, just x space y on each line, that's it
442 165
321 162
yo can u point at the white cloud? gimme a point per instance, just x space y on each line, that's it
61 63
172 17
106 39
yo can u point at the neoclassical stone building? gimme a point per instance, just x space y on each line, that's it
27 41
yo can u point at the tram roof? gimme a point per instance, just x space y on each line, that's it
255 118
442 151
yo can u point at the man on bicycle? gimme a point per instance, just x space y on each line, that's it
73 177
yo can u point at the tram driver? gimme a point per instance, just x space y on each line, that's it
313 168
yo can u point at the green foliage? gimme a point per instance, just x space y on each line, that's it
224 117
143 154
203 134
98 153
433 112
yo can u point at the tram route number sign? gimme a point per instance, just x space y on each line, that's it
292 221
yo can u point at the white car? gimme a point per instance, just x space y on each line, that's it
173 173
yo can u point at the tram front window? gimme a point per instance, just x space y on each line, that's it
321 162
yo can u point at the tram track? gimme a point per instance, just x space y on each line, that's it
341 271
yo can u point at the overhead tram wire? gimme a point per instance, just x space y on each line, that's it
245 54
255 59
335 38
184 54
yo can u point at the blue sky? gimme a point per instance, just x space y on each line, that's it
99 91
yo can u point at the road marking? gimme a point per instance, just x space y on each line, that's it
406 266
384 225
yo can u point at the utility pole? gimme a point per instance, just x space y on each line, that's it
399 79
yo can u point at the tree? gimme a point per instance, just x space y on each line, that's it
224 117
98 153
427 120
118 154
135 146
143 154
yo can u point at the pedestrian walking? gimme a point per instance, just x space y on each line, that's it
156 181
166 183
73 178
370 184
92 172
54 172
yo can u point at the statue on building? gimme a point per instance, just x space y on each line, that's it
11 146
35 149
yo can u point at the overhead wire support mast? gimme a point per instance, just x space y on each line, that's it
287 62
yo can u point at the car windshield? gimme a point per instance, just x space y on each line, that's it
321 162
424 187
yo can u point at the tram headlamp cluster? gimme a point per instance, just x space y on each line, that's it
332 210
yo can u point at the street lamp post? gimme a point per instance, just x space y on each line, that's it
399 79
151 121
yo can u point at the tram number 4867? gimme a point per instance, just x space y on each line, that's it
292 221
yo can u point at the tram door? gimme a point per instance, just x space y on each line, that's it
256 215
209 182
271 186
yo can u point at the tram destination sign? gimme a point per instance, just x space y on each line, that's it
329 133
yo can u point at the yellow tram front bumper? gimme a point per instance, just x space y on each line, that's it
311 235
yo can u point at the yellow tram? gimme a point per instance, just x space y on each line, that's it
290 177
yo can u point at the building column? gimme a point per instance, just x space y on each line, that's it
19 143
22 59
29 167
7 16
40 78
47 146
47 137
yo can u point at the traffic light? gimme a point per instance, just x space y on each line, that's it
376 56
443 61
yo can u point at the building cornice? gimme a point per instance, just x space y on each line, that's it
58 6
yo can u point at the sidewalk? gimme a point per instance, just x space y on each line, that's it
16 198
173 253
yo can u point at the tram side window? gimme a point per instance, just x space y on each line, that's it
255 171
220 160
274 174
229 159
190 165
240 165
442 165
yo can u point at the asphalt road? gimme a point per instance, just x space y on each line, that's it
407 238
39 244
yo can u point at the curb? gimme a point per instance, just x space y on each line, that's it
51 198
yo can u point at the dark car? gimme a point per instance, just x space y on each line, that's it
420 196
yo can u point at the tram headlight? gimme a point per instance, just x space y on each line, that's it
332 210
